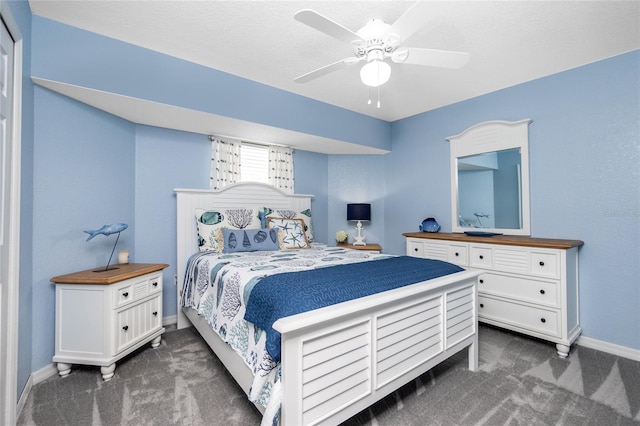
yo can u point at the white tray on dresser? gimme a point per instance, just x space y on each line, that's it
529 285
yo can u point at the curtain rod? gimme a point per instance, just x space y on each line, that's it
259 143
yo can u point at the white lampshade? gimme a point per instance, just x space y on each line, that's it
375 73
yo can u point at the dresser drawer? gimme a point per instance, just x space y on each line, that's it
545 264
458 254
525 289
480 257
415 248
523 316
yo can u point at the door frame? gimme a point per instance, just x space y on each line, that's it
10 385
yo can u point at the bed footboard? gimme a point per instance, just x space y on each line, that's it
339 360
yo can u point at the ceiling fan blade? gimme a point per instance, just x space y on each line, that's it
304 78
410 22
430 57
326 25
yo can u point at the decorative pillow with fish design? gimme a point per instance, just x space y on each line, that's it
293 235
236 240
304 215
209 221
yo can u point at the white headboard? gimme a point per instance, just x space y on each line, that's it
244 194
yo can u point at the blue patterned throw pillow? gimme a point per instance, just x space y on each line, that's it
210 222
237 240
294 236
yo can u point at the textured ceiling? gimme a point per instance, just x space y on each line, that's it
510 42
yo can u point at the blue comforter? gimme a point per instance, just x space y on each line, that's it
282 295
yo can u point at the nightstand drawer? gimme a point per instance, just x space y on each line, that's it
135 289
155 283
136 322
123 296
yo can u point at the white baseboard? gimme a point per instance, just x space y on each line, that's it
173 319
34 378
23 396
44 373
611 348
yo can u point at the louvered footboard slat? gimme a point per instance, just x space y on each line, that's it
363 349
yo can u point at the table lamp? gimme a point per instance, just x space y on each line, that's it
359 212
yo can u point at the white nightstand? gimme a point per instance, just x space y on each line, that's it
101 316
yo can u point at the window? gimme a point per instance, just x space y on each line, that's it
254 163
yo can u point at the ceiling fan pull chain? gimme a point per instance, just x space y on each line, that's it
369 101
378 96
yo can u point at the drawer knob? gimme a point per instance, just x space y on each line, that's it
415 249
155 283
155 314
481 257
457 254
125 328
543 320
541 291
481 281
482 305
541 263
125 294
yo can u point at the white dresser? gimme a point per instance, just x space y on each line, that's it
101 316
529 285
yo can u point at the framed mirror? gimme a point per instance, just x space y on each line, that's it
490 178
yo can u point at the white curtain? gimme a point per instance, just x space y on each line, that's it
281 168
225 162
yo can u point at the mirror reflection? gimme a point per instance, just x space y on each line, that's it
489 190
490 178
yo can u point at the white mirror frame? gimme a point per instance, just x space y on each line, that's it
486 137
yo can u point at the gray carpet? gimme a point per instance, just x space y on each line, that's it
520 381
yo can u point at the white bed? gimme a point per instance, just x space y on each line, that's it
369 333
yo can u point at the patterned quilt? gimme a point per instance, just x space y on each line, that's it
217 285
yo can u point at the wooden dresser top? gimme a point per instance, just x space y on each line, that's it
507 240
117 274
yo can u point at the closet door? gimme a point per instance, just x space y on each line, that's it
9 223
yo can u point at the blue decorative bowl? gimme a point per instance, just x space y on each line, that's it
429 225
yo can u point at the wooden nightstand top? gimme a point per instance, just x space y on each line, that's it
368 247
117 274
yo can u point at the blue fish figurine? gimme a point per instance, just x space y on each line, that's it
107 230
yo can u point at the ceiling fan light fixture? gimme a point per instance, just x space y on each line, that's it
375 73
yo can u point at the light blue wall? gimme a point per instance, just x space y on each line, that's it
585 183
102 63
165 160
312 177
356 179
83 178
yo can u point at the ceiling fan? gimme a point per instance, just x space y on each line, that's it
376 42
